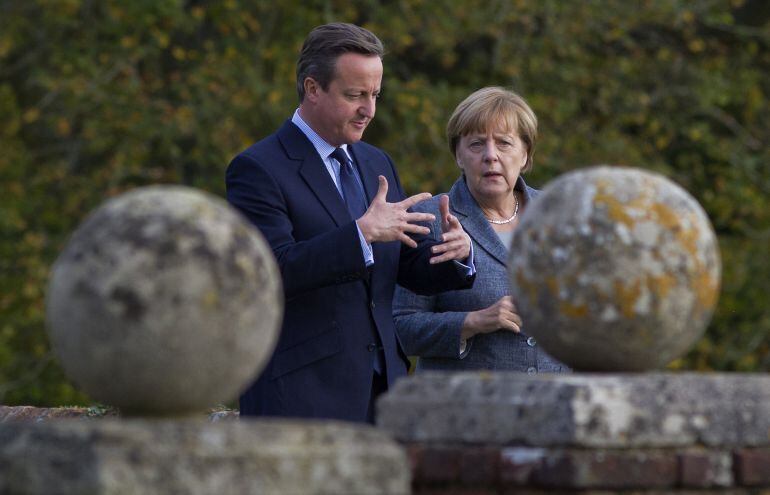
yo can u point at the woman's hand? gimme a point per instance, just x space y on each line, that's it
455 243
501 315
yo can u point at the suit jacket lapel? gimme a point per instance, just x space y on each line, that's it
313 171
366 170
474 222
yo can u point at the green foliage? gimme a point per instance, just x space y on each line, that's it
100 97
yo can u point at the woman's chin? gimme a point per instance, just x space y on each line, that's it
493 193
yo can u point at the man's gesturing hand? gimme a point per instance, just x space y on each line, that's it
456 244
385 221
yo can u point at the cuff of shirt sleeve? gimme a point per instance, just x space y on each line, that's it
366 248
469 266
465 347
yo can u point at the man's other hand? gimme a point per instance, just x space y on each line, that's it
384 222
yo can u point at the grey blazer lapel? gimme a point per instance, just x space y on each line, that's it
474 222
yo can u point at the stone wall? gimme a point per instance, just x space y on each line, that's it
484 434
469 434
154 456
500 433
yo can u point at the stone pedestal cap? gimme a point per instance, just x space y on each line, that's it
580 409
164 301
144 457
615 268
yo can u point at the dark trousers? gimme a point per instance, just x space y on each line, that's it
379 386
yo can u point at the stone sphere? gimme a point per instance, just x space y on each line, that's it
165 301
614 269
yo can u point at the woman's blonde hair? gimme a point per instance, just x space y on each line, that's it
493 108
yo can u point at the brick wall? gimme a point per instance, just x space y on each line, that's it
477 469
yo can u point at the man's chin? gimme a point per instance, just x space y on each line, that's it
354 137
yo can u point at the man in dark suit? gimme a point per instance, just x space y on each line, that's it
333 210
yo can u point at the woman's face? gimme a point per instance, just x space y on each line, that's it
491 161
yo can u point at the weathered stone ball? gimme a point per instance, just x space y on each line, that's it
165 301
614 269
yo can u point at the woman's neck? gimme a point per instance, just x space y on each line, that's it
503 213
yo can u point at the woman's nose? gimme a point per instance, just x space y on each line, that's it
490 151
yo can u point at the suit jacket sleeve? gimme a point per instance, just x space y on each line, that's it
333 256
415 271
422 329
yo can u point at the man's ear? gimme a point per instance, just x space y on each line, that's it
311 88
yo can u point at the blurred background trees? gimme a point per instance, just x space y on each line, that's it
97 97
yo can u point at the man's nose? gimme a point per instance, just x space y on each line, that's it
368 107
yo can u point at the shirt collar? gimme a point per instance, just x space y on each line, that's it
323 148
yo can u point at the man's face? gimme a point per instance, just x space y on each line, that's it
340 114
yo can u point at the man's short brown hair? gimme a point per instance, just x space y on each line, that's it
325 44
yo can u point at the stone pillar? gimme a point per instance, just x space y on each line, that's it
164 303
612 269
615 269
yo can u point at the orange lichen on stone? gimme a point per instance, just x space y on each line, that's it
668 218
573 310
706 289
661 285
617 210
689 240
665 216
627 296
526 284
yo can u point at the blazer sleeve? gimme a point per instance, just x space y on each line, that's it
422 330
331 257
415 271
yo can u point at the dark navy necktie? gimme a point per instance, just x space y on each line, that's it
351 187
353 192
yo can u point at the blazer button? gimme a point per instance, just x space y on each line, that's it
372 304
371 347
531 341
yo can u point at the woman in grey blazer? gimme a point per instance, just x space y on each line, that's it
492 136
